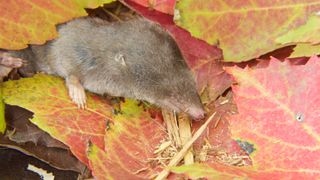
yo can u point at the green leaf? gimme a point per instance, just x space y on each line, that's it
2 115
305 50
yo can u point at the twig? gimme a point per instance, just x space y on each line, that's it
217 122
178 157
112 15
140 170
118 9
185 135
172 126
163 147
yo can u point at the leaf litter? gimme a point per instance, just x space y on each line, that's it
171 145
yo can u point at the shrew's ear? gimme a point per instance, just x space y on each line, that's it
120 59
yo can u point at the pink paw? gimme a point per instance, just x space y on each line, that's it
76 91
78 96
12 62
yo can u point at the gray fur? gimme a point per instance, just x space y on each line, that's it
135 59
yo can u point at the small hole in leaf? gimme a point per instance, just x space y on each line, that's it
299 117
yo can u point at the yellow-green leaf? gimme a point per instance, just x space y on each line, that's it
307 33
244 29
125 138
55 113
33 21
2 115
305 50
212 171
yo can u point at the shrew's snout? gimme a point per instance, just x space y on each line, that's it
197 113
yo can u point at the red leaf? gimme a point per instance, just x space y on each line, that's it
279 114
165 6
129 143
